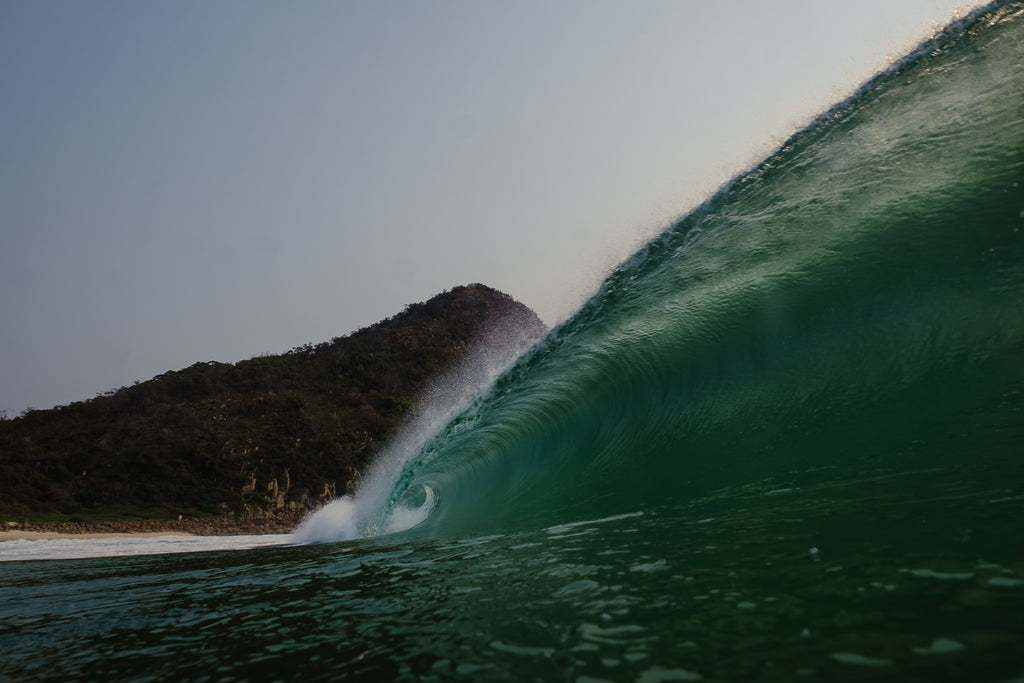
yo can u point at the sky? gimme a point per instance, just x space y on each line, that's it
208 181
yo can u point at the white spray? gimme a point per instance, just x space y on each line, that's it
365 513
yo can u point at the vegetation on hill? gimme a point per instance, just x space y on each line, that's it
269 437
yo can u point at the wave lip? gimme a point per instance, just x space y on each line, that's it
385 501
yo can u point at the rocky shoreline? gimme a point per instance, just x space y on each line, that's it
196 527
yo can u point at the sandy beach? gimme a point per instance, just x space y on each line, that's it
40 535
11 531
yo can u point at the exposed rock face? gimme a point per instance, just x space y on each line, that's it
270 437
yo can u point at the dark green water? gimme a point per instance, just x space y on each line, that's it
726 587
784 441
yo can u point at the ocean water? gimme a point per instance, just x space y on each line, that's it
784 441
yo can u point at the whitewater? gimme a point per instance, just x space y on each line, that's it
782 442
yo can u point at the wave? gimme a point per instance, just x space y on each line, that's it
854 301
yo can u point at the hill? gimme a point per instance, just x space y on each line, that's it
270 437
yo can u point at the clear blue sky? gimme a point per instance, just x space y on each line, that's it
189 181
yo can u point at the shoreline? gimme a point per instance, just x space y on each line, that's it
11 531
56 535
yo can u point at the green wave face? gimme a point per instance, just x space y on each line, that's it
855 303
